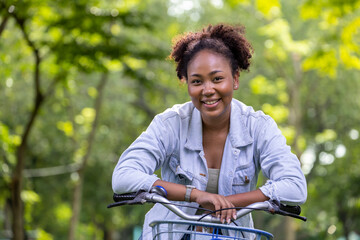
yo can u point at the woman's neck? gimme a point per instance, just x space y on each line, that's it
216 125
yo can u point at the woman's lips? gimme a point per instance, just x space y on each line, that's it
210 103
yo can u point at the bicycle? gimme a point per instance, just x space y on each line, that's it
210 225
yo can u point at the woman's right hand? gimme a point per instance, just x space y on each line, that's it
214 202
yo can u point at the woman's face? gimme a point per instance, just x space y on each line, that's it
211 85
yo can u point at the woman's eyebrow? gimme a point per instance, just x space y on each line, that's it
211 73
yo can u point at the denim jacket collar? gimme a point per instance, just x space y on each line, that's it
194 134
238 133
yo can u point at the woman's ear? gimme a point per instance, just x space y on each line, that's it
236 80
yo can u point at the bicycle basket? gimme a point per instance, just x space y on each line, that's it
176 229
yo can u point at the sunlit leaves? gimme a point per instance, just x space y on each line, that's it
63 213
281 42
42 235
269 8
115 29
8 144
339 21
92 92
326 135
337 9
134 63
350 51
9 141
348 58
279 113
66 127
260 85
234 3
29 198
88 114
113 65
309 11
324 61
289 133
173 29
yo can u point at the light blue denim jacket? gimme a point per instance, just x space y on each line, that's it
173 142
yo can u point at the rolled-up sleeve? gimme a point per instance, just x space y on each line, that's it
136 166
286 182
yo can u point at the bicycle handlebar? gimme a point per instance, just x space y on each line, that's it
142 197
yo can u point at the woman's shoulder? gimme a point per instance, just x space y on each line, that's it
248 111
180 111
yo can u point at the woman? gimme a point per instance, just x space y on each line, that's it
210 150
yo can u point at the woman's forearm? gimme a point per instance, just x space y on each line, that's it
245 199
175 192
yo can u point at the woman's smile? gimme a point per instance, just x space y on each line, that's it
211 103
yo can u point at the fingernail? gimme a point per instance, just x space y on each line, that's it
234 216
223 221
228 221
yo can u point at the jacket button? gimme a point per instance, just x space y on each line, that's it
247 180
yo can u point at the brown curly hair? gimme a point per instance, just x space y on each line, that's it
224 39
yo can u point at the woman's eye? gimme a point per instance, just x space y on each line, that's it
196 81
217 79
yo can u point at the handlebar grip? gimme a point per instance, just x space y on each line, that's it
124 197
291 209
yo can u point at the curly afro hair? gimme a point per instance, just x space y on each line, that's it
224 39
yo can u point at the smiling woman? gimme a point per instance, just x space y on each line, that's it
211 150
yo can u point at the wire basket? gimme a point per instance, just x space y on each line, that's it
171 230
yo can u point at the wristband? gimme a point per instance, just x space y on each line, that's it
189 188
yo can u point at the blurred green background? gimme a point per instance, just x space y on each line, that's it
80 80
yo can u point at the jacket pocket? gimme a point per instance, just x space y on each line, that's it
243 176
181 176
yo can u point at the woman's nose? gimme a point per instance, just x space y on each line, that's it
208 89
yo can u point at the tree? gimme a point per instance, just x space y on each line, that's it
98 48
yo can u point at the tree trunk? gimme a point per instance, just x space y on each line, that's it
295 109
16 183
289 229
108 234
16 180
3 24
79 185
295 115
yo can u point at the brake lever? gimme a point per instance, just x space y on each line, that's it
284 213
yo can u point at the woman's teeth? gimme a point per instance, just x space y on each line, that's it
211 102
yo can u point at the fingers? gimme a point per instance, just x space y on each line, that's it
228 213
220 202
217 202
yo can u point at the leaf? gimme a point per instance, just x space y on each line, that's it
324 61
260 85
325 136
269 8
66 127
29 196
88 114
278 112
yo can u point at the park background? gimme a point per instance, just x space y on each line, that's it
80 80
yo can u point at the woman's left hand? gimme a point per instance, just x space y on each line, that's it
215 202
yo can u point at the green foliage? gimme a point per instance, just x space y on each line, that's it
304 74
